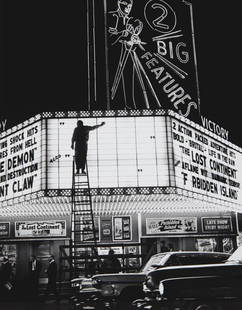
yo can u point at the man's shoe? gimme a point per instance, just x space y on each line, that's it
84 172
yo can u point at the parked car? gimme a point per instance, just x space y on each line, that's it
197 287
122 288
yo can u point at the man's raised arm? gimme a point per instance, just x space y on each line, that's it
96 126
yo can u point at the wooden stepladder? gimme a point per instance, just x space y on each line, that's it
84 254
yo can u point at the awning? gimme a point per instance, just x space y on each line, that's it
120 204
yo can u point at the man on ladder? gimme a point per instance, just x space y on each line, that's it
80 139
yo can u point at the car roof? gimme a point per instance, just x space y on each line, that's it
192 253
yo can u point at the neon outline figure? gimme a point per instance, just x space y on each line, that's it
126 31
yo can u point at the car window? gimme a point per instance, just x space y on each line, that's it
199 259
153 262
213 259
187 260
173 261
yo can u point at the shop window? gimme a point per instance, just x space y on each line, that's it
228 245
43 249
206 244
9 250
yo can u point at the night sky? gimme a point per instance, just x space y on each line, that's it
43 69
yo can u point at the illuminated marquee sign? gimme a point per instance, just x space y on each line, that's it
171 225
205 165
217 224
20 162
40 229
152 56
125 152
214 128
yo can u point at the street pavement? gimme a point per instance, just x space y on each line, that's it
35 305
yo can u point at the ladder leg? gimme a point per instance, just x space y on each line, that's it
83 225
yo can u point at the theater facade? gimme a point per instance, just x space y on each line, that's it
153 175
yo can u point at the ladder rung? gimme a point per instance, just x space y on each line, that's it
79 218
80 174
78 221
83 232
87 228
80 215
82 212
80 227
80 198
83 202
82 221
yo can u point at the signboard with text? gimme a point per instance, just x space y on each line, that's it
20 159
28 229
205 165
217 224
151 56
126 152
156 226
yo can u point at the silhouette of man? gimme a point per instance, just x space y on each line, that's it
111 264
52 273
79 139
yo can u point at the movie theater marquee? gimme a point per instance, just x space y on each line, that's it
163 150
204 164
20 162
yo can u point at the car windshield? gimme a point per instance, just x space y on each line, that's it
154 262
236 256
